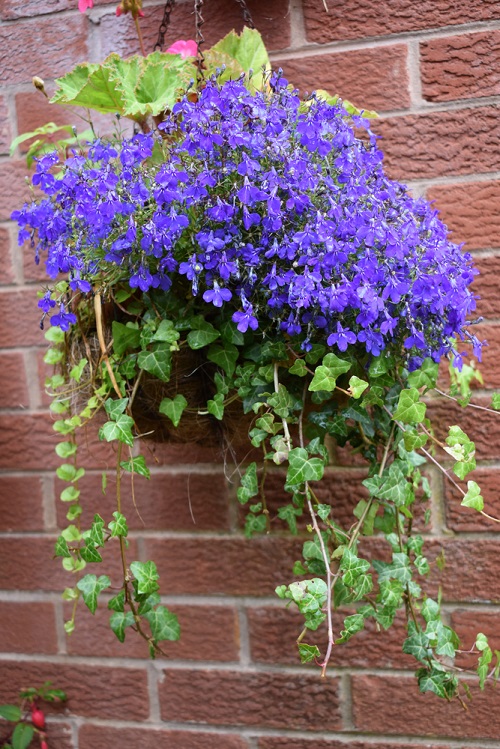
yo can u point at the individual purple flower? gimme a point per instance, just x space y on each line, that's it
342 338
245 319
217 296
63 319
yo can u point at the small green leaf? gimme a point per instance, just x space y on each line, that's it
164 624
204 337
308 653
90 587
410 410
61 548
121 430
119 621
77 371
216 406
173 408
157 362
115 407
299 368
118 526
117 603
10 712
249 485
303 468
70 494
224 356
136 465
54 334
473 497
166 332
66 449
146 575
22 735
357 387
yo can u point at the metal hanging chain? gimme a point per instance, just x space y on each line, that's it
200 39
165 21
246 14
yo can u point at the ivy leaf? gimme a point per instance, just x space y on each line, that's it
352 624
96 533
117 603
89 552
255 524
119 621
299 368
90 587
224 356
115 407
173 408
164 624
157 362
438 682
417 645
125 337
303 468
136 465
61 548
425 376
353 567
473 497
281 402
357 387
203 337
249 485
65 449
216 406
146 575
325 376
410 410
121 430
289 514
118 526
308 653
166 332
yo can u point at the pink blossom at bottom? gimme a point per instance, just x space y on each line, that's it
84 4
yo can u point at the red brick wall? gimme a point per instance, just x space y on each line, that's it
432 69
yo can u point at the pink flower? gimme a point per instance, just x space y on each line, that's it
184 49
84 4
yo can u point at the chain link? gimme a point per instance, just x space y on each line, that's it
200 39
246 14
169 6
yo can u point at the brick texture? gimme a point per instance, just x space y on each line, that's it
354 19
234 699
461 67
22 498
234 681
370 78
419 714
471 212
440 144
51 49
97 737
27 628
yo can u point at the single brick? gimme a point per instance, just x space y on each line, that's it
272 19
180 502
13 385
28 627
393 705
272 742
7 275
461 67
370 78
50 49
208 633
486 285
99 737
22 503
355 19
471 212
5 127
230 566
440 144
93 691
243 699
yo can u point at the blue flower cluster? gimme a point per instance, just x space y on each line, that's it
266 204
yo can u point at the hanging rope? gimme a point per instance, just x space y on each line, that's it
169 6
247 18
200 39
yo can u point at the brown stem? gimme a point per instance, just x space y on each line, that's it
102 342
139 35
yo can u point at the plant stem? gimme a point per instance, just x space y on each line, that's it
102 342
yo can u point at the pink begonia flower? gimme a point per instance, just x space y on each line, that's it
84 4
184 49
